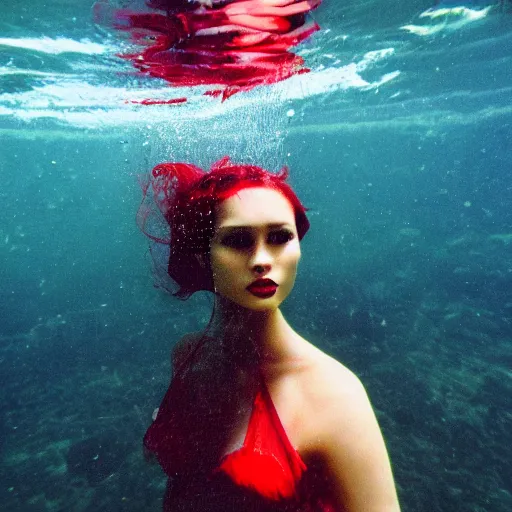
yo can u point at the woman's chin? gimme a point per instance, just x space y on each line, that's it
254 303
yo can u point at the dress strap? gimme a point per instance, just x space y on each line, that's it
297 466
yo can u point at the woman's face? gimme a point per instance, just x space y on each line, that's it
255 250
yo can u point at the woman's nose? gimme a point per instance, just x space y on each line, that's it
261 269
261 261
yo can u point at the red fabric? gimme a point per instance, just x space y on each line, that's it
265 475
267 462
165 438
234 45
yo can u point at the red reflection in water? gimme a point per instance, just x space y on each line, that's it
149 101
235 44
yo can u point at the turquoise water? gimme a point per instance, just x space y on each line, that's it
399 141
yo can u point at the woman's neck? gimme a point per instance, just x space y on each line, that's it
252 338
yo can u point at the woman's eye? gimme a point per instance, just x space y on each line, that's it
280 237
238 240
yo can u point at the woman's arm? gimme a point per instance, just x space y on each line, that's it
180 352
354 451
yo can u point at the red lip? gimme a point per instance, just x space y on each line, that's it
263 288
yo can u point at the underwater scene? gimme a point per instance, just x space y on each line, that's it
398 137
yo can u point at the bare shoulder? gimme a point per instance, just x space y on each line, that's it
344 432
333 393
326 379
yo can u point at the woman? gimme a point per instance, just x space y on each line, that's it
255 418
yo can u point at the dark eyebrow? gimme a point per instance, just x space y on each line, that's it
276 225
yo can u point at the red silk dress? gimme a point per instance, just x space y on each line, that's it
265 475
